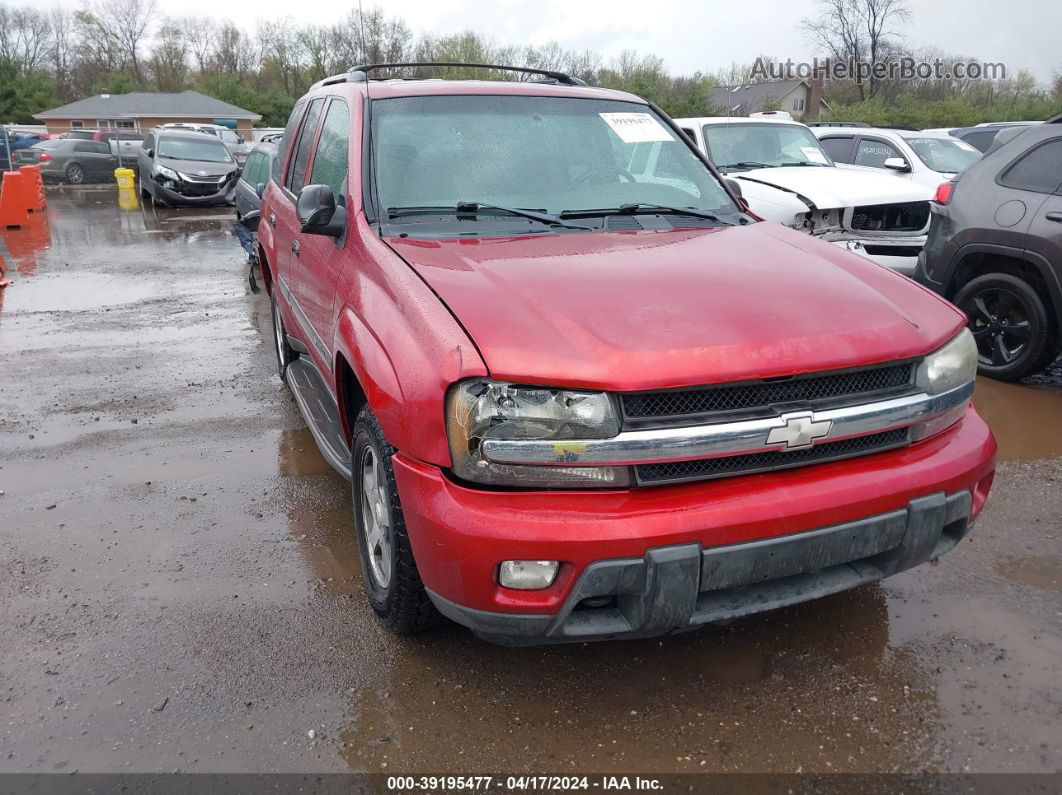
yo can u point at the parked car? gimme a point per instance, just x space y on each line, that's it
80 134
232 140
922 157
983 135
184 168
995 249
786 176
814 124
71 160
257 171
550 380
125 143
23 139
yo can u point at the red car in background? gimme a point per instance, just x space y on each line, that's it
574 403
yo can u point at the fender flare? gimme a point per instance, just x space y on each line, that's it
374 371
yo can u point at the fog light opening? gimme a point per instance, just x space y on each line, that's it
527 575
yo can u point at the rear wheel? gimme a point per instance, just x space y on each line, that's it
389 572
75 174
285 353
1010 324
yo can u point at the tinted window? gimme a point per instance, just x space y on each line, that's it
289 132
839 148
149 141
874 152
1039 169
95 147
330 161
301 152
981 139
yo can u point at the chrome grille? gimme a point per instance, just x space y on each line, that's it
675 472
757 397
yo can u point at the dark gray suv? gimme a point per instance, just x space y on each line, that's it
995 250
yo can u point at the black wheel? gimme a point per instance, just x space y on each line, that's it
285 353
1010 324
75 174
389 572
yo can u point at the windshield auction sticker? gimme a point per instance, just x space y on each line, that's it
636 128
813 154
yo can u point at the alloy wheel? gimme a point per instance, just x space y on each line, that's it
376 517
1000 324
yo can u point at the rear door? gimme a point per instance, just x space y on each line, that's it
284 221
247 187
1040 171
96 158
315 266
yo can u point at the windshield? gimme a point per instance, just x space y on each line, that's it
946 155
550 154
206 150
740 146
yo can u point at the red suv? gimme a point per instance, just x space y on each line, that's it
578 390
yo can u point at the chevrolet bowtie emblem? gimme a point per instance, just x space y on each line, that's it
798 430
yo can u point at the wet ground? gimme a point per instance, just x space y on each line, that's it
179 587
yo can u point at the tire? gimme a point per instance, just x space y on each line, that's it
389 572
1010 324
285 353
75 174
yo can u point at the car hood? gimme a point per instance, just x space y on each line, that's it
829 188
195 168
643 310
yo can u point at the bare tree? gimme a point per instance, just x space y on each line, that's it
857 32
25 38
122 26
168 61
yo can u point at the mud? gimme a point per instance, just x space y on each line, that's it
180 591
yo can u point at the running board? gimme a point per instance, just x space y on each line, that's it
319 409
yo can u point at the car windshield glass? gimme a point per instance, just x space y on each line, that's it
747 146
547 154
205 150
946 155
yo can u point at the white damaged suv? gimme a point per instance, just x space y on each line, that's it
785 175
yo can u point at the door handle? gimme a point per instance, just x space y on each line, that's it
295 247
1054 217
272 219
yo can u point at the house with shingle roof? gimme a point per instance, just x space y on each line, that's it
144 109
792 96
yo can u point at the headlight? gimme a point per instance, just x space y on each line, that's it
951 366
481 409
162 171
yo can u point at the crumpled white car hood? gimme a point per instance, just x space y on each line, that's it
828 187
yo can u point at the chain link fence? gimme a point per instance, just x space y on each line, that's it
73 157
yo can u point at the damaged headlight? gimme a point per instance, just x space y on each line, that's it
951 366
482 409
164 173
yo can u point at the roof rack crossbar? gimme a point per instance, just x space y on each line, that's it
359 74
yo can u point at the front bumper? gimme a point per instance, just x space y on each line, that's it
898 253
630 539
177 199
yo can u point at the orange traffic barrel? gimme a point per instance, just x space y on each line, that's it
14 201
35 188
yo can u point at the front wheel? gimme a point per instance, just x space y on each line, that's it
389 572
285 353
1010 324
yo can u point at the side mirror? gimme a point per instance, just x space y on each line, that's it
249 220
734 186
318 213
896 164
149 152
260 189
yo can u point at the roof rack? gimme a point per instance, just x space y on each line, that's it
360 74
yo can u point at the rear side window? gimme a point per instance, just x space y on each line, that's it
838 147
1039 169
251 169
330 161
981 140
299 144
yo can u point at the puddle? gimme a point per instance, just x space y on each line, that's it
75 292
1035 570
1026 420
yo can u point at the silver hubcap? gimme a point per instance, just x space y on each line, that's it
376 518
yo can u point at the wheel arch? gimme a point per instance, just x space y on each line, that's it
973 261
364 375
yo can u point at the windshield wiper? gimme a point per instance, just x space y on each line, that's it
474 208
643 208
746 164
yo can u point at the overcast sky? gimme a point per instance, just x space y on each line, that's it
695 35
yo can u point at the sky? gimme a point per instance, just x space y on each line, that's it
692 35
